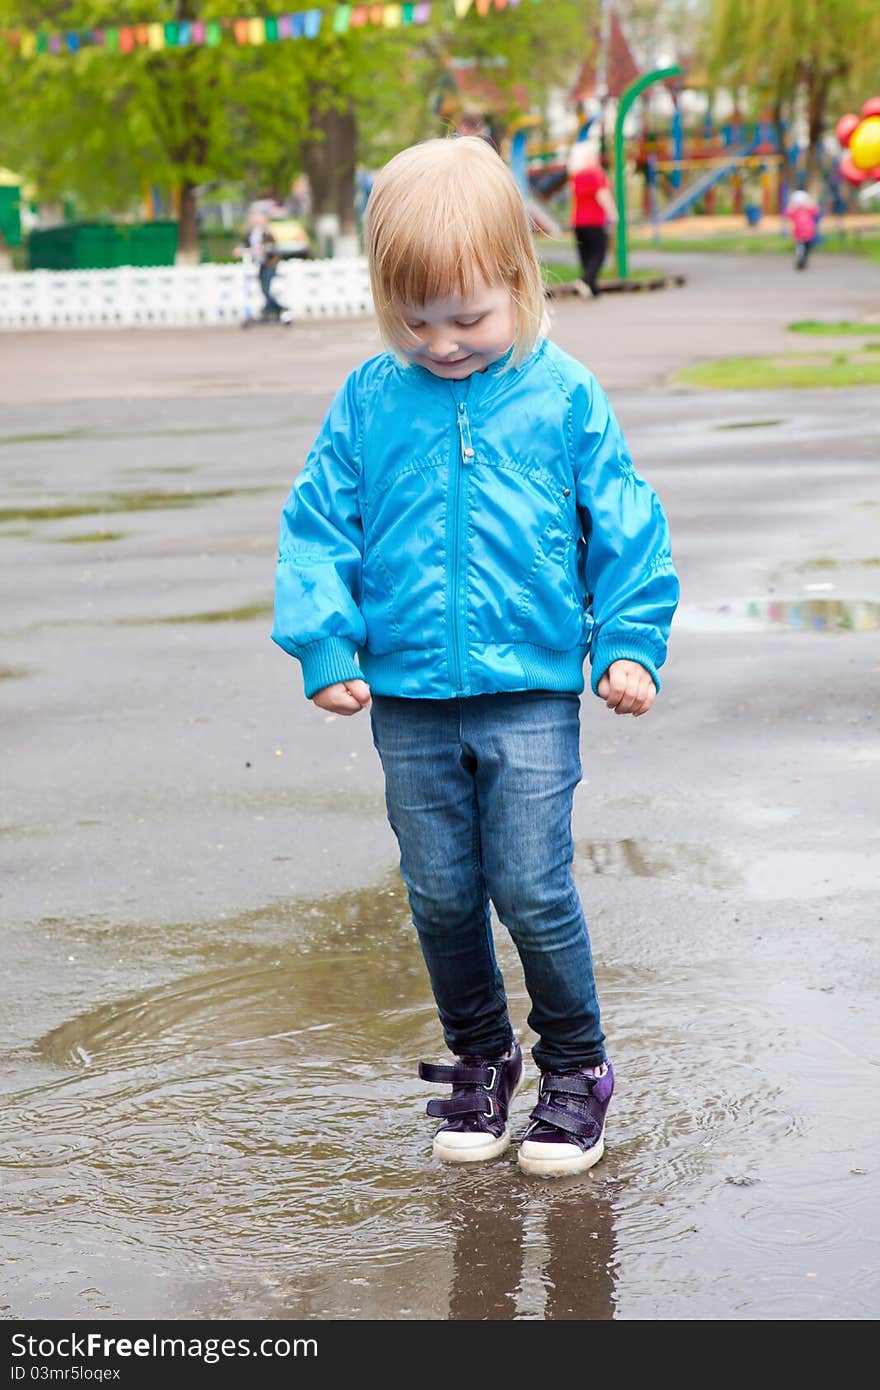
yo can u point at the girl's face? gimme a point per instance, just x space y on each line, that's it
456 337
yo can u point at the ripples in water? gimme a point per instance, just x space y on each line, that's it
253 1135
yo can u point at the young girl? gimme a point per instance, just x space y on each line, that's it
467 528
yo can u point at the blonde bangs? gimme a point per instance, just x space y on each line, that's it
441 216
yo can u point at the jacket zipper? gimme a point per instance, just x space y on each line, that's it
461 462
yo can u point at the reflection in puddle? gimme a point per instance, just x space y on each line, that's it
655 859
796 615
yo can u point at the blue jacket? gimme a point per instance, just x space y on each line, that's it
466 537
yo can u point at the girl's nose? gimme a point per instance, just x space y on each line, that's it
441 343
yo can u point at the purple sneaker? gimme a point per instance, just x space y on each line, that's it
567 1130
475 1115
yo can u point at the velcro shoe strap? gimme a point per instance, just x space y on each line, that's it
459 1074
568 1085
584 1126
443 1109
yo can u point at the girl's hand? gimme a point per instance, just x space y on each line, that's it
345 697
627 688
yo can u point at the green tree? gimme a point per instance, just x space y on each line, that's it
787 51
109 126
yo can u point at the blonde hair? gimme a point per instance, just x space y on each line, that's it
440 216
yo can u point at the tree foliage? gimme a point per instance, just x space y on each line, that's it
820 51
108 127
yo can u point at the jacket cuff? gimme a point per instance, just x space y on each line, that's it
327 661
622 648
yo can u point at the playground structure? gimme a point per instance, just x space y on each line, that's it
684 170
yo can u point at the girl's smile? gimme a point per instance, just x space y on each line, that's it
454 337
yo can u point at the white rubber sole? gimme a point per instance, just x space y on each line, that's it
557 1160
476 1148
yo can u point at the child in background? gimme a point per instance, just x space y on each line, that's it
467 528
803 213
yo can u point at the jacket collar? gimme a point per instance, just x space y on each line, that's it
478 382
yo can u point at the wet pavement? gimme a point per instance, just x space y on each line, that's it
214 1004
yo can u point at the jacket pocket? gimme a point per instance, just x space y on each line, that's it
549 606
379 603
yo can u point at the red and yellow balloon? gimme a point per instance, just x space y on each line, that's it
860 137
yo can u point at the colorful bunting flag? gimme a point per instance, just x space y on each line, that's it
251 32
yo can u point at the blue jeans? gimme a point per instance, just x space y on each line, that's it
479 793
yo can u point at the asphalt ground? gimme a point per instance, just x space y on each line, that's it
174 811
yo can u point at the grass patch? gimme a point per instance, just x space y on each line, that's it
564 274
42 438
763 244
772 373
90 538
226 615
843 326
748 424
825 562
730 245
125 502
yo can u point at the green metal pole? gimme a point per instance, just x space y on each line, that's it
626 101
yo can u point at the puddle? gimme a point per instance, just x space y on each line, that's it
648 859
749 424
796 615
128 502
248 1133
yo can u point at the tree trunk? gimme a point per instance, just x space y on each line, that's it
329 162
818 83
786 170
188 229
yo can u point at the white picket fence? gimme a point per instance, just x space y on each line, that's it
167 296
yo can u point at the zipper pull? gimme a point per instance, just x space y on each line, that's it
464 430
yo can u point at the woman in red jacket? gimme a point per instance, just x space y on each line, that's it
592 211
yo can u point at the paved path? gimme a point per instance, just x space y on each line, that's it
730 305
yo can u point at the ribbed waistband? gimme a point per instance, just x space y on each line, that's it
491 668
